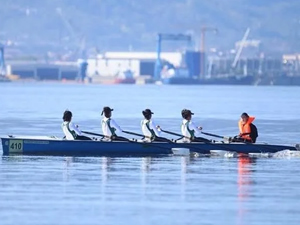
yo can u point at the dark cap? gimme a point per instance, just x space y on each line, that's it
244 114
147 112
186 112
67 115
106 109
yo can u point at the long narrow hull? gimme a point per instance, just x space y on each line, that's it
51 146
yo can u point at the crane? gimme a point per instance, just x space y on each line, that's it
167 37
66 23
239 52
204 29
80 42
78 39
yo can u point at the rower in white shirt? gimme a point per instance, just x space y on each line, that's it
188 128
149 129
109 126
70 130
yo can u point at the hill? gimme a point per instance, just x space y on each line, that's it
133 24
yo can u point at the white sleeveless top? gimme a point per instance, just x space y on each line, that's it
188 129
70 130
148 126
110 127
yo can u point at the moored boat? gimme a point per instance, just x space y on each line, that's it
43 145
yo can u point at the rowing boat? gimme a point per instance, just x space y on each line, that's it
44 145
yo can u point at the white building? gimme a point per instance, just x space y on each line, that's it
140 63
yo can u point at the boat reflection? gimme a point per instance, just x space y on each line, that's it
244 183
245 171
145 164
145 169
67 164
185 161
12 158
106 163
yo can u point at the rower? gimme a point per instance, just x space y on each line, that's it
70 130
109 126
188 129
248 131
149 129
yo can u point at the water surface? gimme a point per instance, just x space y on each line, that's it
167 190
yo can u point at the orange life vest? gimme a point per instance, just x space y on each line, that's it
245 128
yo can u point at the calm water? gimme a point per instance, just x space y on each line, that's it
168 190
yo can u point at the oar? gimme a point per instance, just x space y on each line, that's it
215 135
182 144
209 143
230 139
140 135
178 135
101 135
136 142
172 133
95 134
149 143
175 134
132 133
219 136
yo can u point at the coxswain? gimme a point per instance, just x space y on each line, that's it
109 126
248 131
149 129
189 130
70 130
